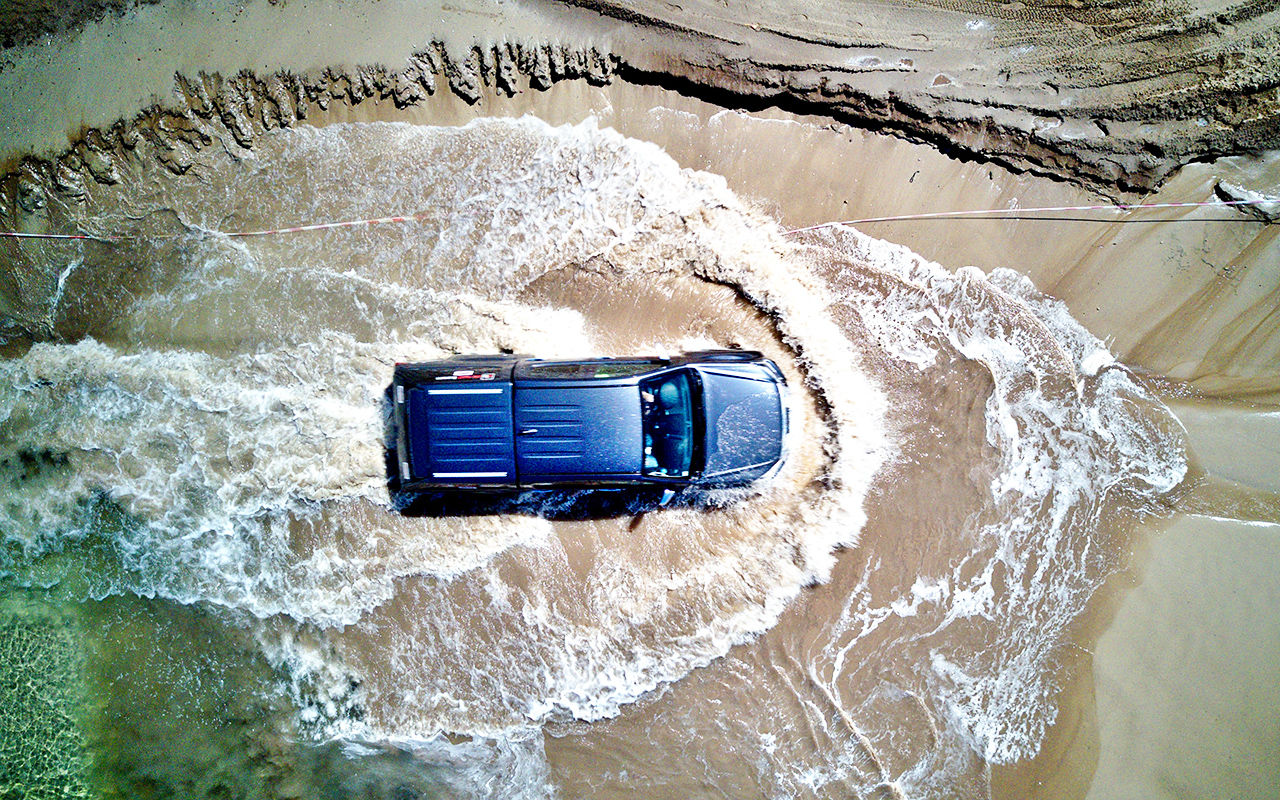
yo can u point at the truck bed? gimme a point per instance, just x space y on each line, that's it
462 432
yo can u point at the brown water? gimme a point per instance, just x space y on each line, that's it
196 474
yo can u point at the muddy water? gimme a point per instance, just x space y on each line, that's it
196 475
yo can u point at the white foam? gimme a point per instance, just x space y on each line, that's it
216 462
252 471
924 590
1253 523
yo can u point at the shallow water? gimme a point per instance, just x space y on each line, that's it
197 475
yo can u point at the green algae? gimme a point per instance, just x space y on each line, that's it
183 707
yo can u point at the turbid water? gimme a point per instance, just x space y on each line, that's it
197 502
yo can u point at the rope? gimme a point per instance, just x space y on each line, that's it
16 235
329 225
232 234
1090 219
1016 213
984 213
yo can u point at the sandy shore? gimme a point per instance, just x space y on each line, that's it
1192 304
1185 675
1117 99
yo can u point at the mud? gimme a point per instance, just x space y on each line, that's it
883 675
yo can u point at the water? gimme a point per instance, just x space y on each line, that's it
195 472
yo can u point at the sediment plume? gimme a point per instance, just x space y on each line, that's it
196 430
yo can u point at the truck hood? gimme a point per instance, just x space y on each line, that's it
744 421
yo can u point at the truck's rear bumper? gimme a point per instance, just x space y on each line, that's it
399 420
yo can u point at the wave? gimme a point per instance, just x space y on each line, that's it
1068 438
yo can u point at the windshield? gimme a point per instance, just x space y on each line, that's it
667 404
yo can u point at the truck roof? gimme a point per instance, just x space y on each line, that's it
578 429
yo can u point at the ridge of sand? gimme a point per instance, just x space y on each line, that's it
1112 95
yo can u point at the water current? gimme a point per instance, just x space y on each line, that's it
195 486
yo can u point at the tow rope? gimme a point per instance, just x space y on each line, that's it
984 213
231 234
1021 214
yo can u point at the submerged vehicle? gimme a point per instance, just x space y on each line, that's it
714 419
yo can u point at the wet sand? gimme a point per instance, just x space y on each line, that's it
1193 305
1185 675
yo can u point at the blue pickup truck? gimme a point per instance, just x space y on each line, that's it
710 419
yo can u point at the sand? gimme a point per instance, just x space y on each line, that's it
1118 98
1185 675
1181 661
1185 715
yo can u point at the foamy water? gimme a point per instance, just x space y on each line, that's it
1069 437
218 443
